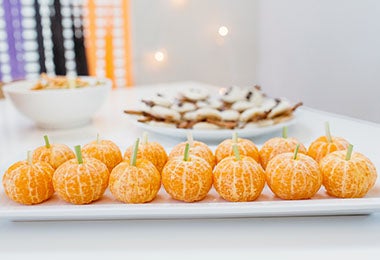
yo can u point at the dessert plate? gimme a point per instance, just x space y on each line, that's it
212 135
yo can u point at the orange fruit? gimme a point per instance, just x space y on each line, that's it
321 147
81 181
293 178
29 183
152 151
246 147
197 148
105 151
54 154
351 178
188 180
135 184
239 180
276 146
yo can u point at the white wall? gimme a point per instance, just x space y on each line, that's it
324 52
187 31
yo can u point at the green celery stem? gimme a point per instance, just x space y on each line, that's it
349 152
47 143
78 153
134 153
186 153
285 132
296 151
236 152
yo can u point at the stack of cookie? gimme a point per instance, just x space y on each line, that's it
233 108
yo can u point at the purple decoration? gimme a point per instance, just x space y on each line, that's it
12 15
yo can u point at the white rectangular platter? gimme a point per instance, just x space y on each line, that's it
163 207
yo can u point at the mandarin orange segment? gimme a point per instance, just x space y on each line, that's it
293 179
239 180
276 146
347 178
321 147
28 183
105 151
187 181
152 151
197 148
245 146
135 184
55 155
81 183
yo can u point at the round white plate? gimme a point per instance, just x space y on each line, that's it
212 135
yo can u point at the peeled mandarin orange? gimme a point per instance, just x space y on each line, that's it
152 151
246 147
346 175
54 154
324 145
135 184
293 177
239 180
197 148
105 151
187 178
81 181
29 183
276 146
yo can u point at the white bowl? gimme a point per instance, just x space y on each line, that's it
58 108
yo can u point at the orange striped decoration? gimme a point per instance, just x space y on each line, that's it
107 40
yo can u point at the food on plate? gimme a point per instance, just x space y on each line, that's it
324 145
347 174
59 82
29 182
136 180
105 151
152 151
54 154
198 108
245 146
293 176
238 178
197 148
187 177
81 180
279 145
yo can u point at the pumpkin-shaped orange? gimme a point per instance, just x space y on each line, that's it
347 175
105 151
246 148
279 145
197 148
54 154
81 180
29 183
293 176
137 183
324 145
152 151
187 178
239 178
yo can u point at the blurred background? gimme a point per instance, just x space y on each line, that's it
322 52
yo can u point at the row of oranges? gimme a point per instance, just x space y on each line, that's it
238 170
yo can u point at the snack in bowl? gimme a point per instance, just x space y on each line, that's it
58 107
199 108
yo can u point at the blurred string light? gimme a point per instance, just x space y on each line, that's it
223 31
159 56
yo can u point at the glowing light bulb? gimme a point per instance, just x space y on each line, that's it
223 31
159 56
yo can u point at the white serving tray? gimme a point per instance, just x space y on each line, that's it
163 207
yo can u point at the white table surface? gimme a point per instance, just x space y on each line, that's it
278 237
